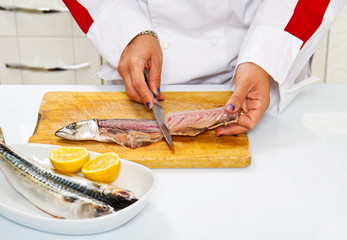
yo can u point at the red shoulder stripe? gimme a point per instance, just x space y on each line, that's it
80 14
308 16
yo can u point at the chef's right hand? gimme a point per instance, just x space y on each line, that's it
143 52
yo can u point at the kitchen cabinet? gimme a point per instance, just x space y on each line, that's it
41 44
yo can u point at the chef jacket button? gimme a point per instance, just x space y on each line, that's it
214 42
165 45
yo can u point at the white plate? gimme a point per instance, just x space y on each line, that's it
132 176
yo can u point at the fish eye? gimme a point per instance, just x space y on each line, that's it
71 126
105 208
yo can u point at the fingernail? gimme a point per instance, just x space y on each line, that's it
148 105
158 91
230 107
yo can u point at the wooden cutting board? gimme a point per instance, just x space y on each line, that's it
203 151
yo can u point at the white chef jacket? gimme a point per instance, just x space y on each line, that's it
203 41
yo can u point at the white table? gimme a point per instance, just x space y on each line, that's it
295 188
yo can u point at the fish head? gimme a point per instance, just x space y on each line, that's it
82 130
91 208
103 209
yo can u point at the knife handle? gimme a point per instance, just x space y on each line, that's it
2 138
145 73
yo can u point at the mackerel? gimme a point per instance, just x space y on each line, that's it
44 192
108 193
135 133
37 182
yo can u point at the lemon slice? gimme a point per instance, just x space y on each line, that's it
104 167
69 159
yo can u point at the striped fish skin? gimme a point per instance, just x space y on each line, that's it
44 192
116 197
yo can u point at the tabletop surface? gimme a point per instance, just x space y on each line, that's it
295 187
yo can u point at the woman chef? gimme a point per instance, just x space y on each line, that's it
263 46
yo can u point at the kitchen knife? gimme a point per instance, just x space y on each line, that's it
159 116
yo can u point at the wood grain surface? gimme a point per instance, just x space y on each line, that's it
203 151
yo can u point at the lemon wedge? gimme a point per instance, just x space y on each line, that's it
69 159
103 168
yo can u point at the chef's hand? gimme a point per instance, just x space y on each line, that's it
252 94
143 52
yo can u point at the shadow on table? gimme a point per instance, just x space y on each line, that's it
149 224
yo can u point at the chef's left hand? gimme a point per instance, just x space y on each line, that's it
252 94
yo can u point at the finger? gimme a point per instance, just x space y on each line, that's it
230 130
245 123
124 71
237 98
154 77
130 90
161 97
141 87
250 119
244 106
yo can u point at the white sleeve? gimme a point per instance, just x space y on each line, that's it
109 24
281 39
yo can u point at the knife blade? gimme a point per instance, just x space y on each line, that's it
2 138
159 116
